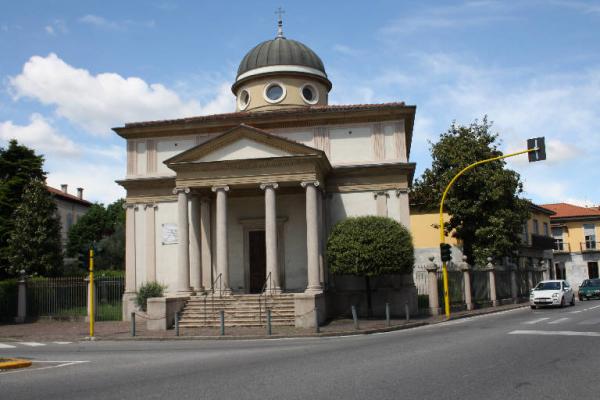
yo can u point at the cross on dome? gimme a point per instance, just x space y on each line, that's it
280 11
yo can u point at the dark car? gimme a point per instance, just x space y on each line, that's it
590 288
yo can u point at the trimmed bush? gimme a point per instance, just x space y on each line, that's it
146 291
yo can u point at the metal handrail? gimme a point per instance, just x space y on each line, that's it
262 292
218 278
561 246
589 245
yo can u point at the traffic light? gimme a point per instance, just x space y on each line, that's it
445 252
540 153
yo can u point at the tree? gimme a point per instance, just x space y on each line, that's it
18 166
104 227
487 214
34 244
370 246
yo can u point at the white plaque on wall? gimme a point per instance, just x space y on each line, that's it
169 234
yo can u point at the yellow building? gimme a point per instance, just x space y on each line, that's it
576 249
536 238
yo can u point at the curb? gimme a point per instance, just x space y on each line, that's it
14 363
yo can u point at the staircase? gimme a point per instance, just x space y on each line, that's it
247 310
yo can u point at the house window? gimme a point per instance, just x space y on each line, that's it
536 227
69 221
557 234
593 269
589 233
546 231
525 237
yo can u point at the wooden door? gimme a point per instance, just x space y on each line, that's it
258 264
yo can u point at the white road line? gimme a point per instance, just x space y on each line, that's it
592 308
6 346
590 322
555 333
575 312
32 344
535 321
559 321
60 364
62 342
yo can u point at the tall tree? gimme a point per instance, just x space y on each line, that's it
104 227
18 166
34 243
486 212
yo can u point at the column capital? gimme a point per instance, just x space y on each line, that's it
381 193
133 206
178 190
402 191
273 185
150 205
224 188
304 184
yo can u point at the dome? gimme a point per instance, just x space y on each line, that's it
280 55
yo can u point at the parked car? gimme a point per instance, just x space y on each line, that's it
552 293
589 288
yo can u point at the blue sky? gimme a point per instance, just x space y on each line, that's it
71 70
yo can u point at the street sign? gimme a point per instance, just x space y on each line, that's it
539 144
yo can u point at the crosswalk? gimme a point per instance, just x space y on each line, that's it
13 345
562 320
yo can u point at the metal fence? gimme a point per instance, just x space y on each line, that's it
8 300
66 297
456 288
503 285
480 287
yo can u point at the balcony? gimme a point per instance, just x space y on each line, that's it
561 247
589 246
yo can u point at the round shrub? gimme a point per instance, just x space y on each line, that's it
146 291
370 246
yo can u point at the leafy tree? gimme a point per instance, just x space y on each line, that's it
104 227
486 211
34 244
18 166
370 246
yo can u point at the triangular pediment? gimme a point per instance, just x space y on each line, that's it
241 143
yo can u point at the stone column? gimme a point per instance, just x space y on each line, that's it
130 284
492 276
271 236
432 280
205 249
465 268
222 252
150 242
183 246
21 299
529 277
514 290
544 269
195 233
402 195
381 203
312 237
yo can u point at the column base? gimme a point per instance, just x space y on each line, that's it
186 292
469 306
314 290
495 303
275 290
129 305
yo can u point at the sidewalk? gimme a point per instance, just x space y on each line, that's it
49 330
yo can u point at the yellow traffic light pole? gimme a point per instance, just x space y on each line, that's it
443 236
91 299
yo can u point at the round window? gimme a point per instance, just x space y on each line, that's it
309 94
243 99
274 92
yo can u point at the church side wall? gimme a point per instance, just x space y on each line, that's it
166 253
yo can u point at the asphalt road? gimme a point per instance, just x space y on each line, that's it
519 354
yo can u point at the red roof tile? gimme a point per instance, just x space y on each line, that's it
285 111
566 210
67 196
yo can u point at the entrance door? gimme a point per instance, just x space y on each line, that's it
258 264
593 269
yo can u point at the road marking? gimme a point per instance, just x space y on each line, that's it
535 321
60 365
590 322
32 344
592 308
576 312
555 333
559 321
62 342
6 346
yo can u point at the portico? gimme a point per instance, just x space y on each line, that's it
210 174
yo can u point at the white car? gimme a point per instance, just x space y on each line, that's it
552 293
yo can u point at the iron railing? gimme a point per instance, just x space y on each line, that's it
561 247
589 245
264 292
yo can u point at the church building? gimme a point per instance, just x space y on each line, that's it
237 207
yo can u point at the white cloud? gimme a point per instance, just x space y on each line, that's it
50 30
40 135
103 23
55 27
99 102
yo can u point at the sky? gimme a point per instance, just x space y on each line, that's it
72 70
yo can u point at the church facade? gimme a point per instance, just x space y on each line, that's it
241 204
